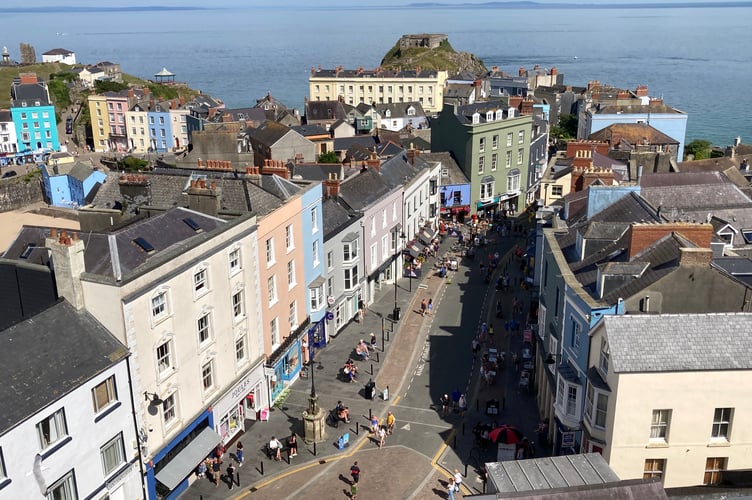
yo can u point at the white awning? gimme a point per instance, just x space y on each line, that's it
177 469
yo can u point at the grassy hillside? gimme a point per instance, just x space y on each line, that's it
62 73
443 57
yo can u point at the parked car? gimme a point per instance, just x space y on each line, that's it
9 173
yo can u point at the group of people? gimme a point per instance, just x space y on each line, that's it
211 467
276 447
426 307
379 430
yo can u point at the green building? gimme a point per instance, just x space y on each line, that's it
491 144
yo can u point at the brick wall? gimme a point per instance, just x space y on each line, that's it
644 235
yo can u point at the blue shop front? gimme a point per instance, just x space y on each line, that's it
168 472
285 362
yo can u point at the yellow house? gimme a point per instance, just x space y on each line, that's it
668 396
379 86
100 122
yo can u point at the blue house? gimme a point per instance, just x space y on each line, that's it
313 250
33 114
160 127
68 185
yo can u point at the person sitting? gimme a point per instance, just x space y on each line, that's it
343 412
351 364
362 350
275 448
349 372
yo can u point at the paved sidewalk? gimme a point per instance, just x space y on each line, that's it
270 479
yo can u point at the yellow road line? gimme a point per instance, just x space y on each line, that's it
396 400
442 470
302 468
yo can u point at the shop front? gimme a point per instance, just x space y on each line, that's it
314 340
168 473
244 400
286 361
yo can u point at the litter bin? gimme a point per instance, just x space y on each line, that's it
370 389
396 314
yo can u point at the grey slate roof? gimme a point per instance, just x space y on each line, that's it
316 171
399 109
343 143
167 189
29 93
465 113
324 110
679 342
42 359
116 255
363 189
269 133
336 217
455 173
653 179
740 268
696 196
57 52
310 130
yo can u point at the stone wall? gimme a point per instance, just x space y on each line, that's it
15 193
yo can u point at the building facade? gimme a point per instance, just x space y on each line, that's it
379 86
491 144
33 114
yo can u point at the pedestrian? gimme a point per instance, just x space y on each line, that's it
304 349
374 424
381 434
354 491
457 480
275 448
456 399
423 307
292 444
216 470
201 469
361 310
444 405
373 341
355 473
462 404
430 307
239 453
390 420
542 432
450 490
231 474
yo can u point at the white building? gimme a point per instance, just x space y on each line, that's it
64 56
67 421
8 139
668 396
180 289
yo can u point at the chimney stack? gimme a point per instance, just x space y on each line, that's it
331 186
68 264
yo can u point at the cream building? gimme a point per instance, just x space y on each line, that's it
379 86
100 121
668 396
180 290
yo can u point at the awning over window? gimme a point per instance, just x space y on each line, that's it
177 469
317 282
427 235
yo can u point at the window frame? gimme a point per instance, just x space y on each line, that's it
314 220
201 281
113 443
270 257
292 316
170 407
271 289
161 310
241 350
659 428
67 481
238 306
654 468
289 238
233 260
60 427
715 466
168 355
110 387
721 429
206 316
207 372
274 332
592 399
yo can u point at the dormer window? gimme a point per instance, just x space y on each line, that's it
388 113
411 111
499 114
489 116
476 118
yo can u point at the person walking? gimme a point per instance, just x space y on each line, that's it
450 490
292 444
231 474
374 424
239 453
423 307
381 434
430 307
457 480
361 310
462 405
390 420
444 405
216 470
355 473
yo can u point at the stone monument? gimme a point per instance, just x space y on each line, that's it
314 418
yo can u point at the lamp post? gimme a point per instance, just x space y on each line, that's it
396 310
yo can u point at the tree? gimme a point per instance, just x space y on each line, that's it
699 149
109 86
328 157
566 128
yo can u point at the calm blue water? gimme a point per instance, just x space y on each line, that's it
698 59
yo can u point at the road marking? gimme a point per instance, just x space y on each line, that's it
405 427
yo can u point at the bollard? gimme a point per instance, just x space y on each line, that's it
377 357
314 448
357 429
465 469
477 405
387 335
370 415
371 368
261 463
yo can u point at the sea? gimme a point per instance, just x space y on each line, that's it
696 58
